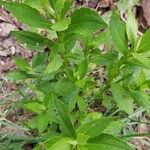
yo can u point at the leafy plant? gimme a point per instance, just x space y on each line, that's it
59 74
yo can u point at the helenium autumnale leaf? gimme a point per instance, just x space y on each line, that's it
22 64
144 44
18 76
118 33
32 40
66 125
28 15
64 144
61 25
132 28
85 21
82 69
34 106
57 5
106 142
122 98
95 127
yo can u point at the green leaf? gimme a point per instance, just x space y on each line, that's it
102 38
64 88
81 104
131 28
61 25
43 121
34 106
106 142
22 64
118 33
113 70
52 139
55 60
39 59
54 65
141 78
32 40
144 44
49 102
58 5
27 15
85 21
66 125
18 76
39 122
41 5
95 127
103 59
122 98
64 144
72 100
143 59
82 69
66 7
115 128
142 99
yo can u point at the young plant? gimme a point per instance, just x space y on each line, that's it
62 79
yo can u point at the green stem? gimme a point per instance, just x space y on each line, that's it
135 135
142 122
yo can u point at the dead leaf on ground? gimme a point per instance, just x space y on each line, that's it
146 10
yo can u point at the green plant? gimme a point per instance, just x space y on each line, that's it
61 76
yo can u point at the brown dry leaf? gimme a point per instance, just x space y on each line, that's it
105 3
6 66
93 3
146 10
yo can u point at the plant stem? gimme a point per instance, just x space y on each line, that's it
135 135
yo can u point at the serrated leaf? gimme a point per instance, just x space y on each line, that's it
141 78
103 59
144 44
85 21
43 121
41 5
81 104
32 40
64 88
61 25
39 122
95 127
22 64
143 59
34 106
64 144
131 28
82 69
122 98
18 76
114 128
66 7
118 33
52 139
66 125
142 99
27 15
58 5
106 142
54 65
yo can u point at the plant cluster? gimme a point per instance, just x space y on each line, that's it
70 72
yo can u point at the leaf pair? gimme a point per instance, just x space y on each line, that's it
119 33
90 136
